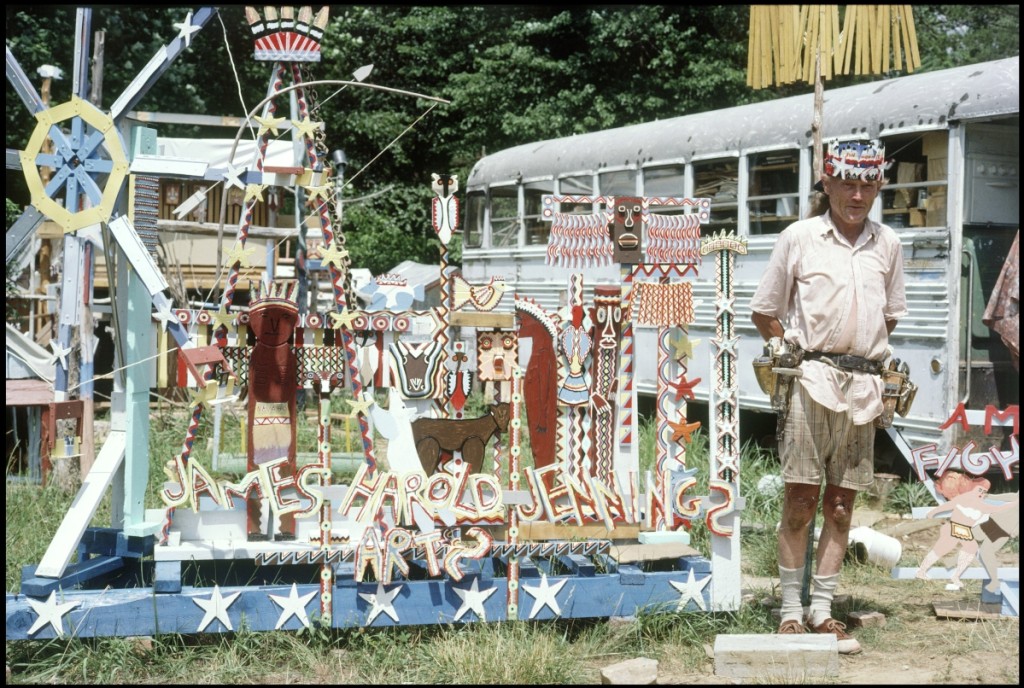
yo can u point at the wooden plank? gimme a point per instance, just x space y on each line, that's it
542 530
578 564
752 34
75 574
967 609
791 658
28 393
489 320
911 38
667 550
79 516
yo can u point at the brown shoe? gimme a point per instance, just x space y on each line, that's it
848 645
791 626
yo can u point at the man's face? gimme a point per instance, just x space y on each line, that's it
850 199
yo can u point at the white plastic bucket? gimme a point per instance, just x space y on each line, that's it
881 549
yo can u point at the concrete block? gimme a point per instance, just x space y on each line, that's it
866 619
790 658
639 671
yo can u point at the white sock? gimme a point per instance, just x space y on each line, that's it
823 590
791 581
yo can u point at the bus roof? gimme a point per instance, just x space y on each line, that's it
878 108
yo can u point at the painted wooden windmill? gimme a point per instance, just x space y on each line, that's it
91 170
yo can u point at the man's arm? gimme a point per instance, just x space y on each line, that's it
890 325
769 326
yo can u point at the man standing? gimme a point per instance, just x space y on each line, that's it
832 292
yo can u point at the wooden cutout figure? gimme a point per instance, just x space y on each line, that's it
975 524
608 318
575 344
458 381
444 207
271 400
627 232
437 436
417 368
540 382
496 353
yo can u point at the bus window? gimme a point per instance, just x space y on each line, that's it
619 183
915 193
664 181
473 227
537 229
504 216
773 199
576 186
717 180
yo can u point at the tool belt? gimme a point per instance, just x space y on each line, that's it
857 364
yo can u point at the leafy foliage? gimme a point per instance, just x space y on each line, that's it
511 74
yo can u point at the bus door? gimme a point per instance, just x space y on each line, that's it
990 223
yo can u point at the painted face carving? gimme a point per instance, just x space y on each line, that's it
627 232
608 313
496 352
273 324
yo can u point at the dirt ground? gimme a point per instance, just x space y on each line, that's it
915 646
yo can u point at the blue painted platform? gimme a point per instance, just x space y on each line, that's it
162 598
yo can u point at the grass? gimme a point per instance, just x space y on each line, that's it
551 652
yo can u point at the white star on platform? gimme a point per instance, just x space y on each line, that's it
381 601
473 599
216 608
691 590
50 613
544 595
293 605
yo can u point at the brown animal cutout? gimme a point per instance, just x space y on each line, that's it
434 436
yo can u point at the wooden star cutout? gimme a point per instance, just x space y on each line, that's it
682 346
307 127
254 191
204 395
269 124
682 430
50 613
684 388
361 406
332 255
232 177
165 317
222 317
343 319
313 191
239 254
186 29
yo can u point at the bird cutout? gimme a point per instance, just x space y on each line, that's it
484 297
444 208
391 292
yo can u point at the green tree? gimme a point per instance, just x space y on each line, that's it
512 74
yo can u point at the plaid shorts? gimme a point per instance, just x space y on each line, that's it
817 439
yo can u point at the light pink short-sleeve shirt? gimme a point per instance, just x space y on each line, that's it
834 297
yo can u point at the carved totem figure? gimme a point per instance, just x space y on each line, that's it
271 400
